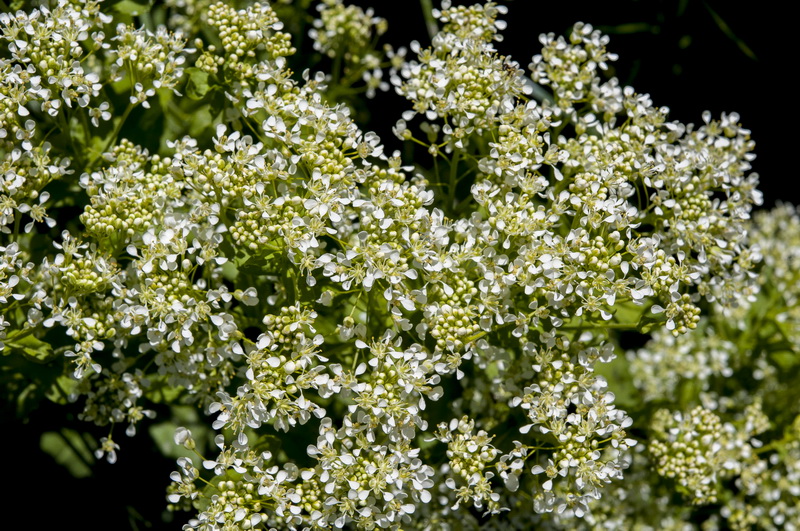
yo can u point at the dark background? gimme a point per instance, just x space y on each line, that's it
687 54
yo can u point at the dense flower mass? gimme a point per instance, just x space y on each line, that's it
376 341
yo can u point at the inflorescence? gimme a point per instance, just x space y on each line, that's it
386 343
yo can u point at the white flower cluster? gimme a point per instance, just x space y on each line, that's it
153 60
345 26
777 236
348 34
667 363
461 78
47 68
428 344
738 365
698 450
591 178
769 489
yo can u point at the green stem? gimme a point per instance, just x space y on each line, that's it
604 324
113 138
255 131
17 221
67 130
430 22
451 203
337 66
16 335
769 447
85 125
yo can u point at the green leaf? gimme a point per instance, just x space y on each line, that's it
163 433
161 392
785 359
33 348
201 124
630 28
69 450
628 312
230 271
255 265
60 390
197 85
129 7
726 29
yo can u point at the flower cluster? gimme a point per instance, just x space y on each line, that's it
666 363
154 60
377 341
698 451
732 426
348 34
345 29
48 65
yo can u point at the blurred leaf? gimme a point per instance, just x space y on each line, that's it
161 392
62 387
257 265
630 28
197 85
230 271
24 382
32 348
785 359
145 127
628 312
163 433
626 395
687 393
723 26
129 7
219 102
201 126
265 443
69 450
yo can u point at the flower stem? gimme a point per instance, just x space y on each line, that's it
430 22
113 138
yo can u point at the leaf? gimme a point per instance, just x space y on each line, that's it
69 450
145 126
425 441
32 348
197 85
724 28
228 250
62 387
255 265
163 433
266 442
200 126
785 359
259 264
129 7
628 312
230 271
161 392
630 28
219 102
